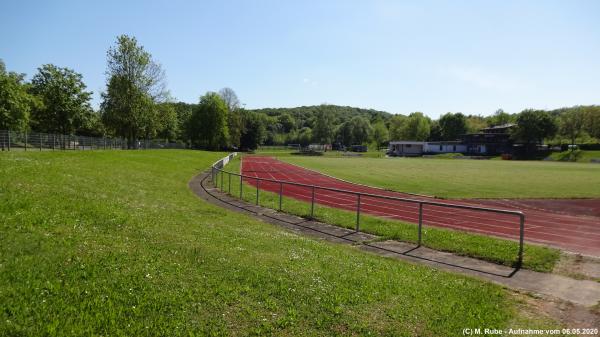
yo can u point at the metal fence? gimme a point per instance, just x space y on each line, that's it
218 173
28 141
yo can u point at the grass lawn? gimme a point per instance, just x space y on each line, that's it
462 178
496 250
114 243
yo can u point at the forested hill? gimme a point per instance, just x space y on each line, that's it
306 114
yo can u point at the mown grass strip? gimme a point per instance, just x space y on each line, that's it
487 248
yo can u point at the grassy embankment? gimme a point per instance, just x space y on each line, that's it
483 247
580 156
114 243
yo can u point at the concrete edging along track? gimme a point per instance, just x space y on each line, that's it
582 292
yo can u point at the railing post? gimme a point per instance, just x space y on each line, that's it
257 182
358 213
420 221
312 202
241 185
222 189
521 239
229 185
280 194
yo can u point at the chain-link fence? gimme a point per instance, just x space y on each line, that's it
31 141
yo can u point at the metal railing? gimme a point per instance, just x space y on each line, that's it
27 141
217 170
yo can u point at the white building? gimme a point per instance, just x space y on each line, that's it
414 148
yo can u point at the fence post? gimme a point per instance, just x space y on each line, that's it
229 185
8 140
280 193
25 140
257 182
420 221
312 202
40 135
222 173
53 142
357 212
521 239
241 186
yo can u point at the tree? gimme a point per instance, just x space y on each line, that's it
287 122
254 130
234 121
322 133
592 121
533 126
230 98
453 126
361 130
15 101
305 136
380 133
343 133
65 102
476 123
417 127
209 123
571 123
397 127
168 123
500 118
135 84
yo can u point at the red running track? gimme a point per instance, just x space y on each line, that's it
579 234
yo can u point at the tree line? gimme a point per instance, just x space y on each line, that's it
137 105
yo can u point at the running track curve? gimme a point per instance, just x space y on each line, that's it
578 234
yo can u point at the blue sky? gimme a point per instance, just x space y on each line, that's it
399 56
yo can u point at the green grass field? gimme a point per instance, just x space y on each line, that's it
462 178
114 243
538 258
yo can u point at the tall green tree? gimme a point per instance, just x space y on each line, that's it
135 84
380 133
417 127
15 101
571 123
254 131
234 119
322 132
361 130
533 126
209 123
397 127
453 125
66 103
592 121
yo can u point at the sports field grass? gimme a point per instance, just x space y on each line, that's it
487 248
462 178
114 243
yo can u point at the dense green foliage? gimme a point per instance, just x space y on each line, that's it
15 100
65 106
113 243
209 123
